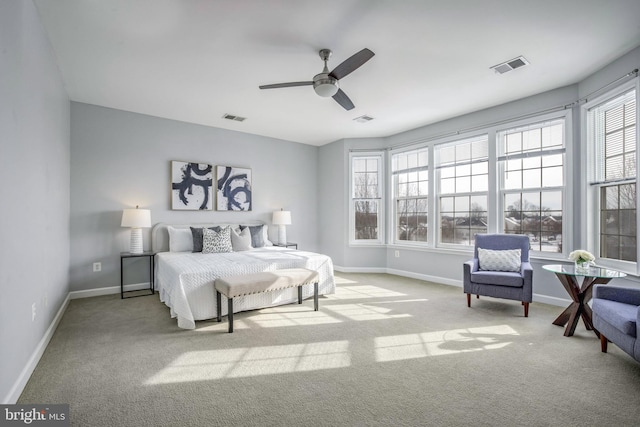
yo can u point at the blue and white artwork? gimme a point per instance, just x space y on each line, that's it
234 189
191 186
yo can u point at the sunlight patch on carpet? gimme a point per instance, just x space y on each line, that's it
253 361
439 343
360 312
362 291
290 316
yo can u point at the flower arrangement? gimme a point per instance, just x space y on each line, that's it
581 257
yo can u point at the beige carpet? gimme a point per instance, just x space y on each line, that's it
382 351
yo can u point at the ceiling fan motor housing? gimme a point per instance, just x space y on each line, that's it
325 85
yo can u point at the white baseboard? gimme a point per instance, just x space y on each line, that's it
107 291
359 269
545 299
425 277
22 380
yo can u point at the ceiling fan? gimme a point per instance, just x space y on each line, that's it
325 84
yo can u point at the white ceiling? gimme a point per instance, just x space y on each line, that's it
195 60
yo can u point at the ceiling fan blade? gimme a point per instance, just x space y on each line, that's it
290 84
351 64
342 99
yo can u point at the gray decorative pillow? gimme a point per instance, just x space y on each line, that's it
197 237
257 235
241 240
216 242
505 260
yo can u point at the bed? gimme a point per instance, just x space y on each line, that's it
184 279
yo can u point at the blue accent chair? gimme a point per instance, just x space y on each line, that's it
500 284
616 316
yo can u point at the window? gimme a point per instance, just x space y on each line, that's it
463 177
613 136
532 182
366 195
410 171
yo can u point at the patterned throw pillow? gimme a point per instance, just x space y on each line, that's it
216 242
197 237
506 260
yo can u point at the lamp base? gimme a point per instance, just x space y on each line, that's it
136 241
282 234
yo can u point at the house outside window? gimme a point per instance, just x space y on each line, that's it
410 180
532 162
463 178
366 198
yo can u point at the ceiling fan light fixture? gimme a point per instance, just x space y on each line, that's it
325 86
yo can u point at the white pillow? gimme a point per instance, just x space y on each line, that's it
180 239
241 240
216 242
505 260
265 235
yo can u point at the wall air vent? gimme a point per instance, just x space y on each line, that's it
363 119
510 65
234 118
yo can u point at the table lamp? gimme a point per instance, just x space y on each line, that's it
136 219
282 218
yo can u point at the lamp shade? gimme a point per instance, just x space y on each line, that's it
281 218
136 218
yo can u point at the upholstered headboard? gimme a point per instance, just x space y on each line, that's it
160 234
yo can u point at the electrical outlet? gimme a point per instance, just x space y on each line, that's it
33 312
397 254
97 266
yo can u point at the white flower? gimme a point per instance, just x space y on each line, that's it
581 256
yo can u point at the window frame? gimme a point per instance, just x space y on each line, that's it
381 199
393 227
459 139
566 188
591 193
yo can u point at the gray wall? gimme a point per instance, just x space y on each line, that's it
34 171
121 159
435 264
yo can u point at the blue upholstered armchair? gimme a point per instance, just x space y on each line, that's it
616 316
498 272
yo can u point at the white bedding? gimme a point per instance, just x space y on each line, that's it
185 280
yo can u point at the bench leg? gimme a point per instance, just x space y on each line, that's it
230 314
219 305
315 296
299 294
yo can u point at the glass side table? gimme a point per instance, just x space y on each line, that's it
580 294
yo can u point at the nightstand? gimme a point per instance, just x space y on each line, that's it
151 257
287 245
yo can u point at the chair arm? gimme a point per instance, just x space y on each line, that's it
471 266
526 270
617 293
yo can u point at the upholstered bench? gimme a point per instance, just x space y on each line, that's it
267 281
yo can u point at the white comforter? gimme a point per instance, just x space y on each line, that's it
185 280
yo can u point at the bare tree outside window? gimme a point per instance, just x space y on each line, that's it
366 197
410 193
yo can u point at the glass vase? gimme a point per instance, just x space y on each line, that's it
582 266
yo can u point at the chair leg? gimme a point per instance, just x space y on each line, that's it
526 308
603 343
468 300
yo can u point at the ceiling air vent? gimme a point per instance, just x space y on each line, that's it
363 119
234 118
510 65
